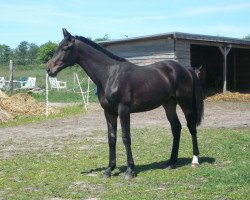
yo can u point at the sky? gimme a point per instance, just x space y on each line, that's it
42 21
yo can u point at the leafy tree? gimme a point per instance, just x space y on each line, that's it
33 53
26 53
46 51
21 53
5 53
104 38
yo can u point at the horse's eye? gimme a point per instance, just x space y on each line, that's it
64 49
67 47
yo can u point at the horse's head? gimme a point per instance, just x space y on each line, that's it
198 72
64 56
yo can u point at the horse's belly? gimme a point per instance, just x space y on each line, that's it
143 108
147 103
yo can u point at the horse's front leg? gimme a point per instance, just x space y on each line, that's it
124 115
112 135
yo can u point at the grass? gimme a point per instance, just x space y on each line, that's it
38 71
74 171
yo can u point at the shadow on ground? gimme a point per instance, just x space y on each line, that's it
154 166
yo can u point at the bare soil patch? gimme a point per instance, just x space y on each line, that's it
53 134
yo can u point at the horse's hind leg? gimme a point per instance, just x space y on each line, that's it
191 124
170 109
112 137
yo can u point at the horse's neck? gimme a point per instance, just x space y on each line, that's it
97 65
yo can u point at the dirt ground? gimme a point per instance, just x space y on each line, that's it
52 134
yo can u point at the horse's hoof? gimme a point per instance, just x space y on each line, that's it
195 165
129 175
107 174
170 167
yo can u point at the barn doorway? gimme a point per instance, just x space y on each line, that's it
238 67
211 60
239 60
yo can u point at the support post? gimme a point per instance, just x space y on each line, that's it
225 50
234 72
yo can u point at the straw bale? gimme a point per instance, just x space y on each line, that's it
21 104
229 96
3 95
4 116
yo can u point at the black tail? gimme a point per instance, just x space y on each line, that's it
198 103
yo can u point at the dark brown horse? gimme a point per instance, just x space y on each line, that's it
125 88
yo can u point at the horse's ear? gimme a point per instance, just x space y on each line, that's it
200 67
66 34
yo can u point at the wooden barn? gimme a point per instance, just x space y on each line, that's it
225 61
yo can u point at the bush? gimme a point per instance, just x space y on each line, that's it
47 51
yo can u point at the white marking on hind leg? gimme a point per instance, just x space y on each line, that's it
195 161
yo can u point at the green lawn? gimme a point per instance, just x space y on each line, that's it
74 171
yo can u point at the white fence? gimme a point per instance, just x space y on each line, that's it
85 92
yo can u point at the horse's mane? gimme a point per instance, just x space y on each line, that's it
100 48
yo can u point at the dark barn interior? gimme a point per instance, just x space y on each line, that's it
211 60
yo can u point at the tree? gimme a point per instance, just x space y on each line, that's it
5 53
21 53
104 38
33 53
247 37
46 51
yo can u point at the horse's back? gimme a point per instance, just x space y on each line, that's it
146 87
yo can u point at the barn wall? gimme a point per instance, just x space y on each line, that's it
151 51
145 52
182 52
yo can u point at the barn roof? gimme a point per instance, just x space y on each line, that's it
184 36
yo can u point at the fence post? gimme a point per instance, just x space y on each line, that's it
88 91
47 97
10 86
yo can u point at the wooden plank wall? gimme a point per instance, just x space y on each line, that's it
151 51
145 52
182 52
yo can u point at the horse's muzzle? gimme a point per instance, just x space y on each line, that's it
51 73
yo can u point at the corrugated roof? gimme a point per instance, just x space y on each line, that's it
183 36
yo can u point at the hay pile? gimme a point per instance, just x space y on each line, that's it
229 96
19 104
4 116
